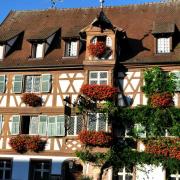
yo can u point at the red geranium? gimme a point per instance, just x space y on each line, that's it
165 147
162 100
98 92
94 138
97 49
32 99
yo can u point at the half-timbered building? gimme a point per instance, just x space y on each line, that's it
45 52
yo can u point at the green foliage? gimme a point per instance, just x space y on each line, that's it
86 178
157 81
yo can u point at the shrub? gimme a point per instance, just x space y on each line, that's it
94 138
97 49
98 92
32 99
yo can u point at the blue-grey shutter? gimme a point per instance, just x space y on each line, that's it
46 83
34 125
17 83
52 126
15 124
43 125
60 125
2 83
1 123
177 74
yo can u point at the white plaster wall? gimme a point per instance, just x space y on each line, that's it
150 172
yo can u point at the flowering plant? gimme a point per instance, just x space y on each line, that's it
22 143
169 147
164 99
98 92
32 99
97 49
94 138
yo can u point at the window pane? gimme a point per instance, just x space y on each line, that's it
103 82
102 122
79 124
93 82
71 126
103 74
28 83
60 126
34 123
120 177
36 84
93 75
8 174
128 177
92 121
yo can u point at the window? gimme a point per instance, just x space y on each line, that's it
38 125
125 174
5 169
163 45
98 77
2 83
37 50
177 80
97 122
75 125
71 48
1 123
32 83
175 176
40 170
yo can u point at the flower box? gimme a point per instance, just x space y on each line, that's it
22 143
98 92
32 99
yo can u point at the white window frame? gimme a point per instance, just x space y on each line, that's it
163 45
30 126
32 83
177 175
97 122
11 123
71 48
124 173
75 126
98 79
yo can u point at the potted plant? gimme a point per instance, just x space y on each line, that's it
32 99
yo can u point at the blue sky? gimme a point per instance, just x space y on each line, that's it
7 5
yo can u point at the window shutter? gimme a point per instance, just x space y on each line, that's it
2 52
1 123
46 82
2 83
15 124
73 48
177 74
52 126
42 125
34 124
17 83
39 50
60 126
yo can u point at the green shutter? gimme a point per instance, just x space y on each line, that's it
42 125
60 126
1 123
17 83
15 124
177 74
2 83
46 82
52 126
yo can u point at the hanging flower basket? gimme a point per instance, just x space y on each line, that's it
162 100
32 99
22 143
99 92
94 138
97 50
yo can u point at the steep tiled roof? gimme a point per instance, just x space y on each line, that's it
136 20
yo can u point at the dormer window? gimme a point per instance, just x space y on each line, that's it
71 48
163 45
37 50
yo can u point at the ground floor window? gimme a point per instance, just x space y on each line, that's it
125 173
97 122
40 170
75 125
5 169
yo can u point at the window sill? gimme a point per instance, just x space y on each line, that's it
35 59
163 54
69 57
